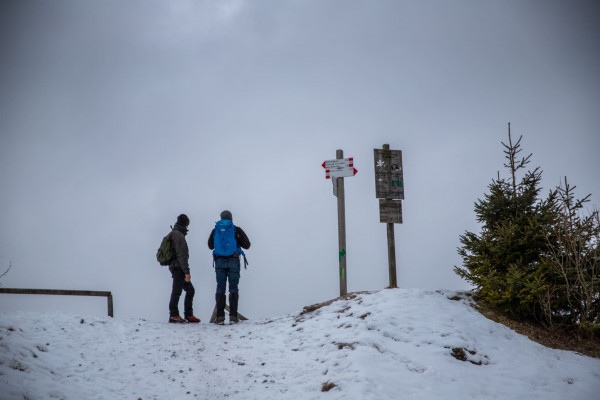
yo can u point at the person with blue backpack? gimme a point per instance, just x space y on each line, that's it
227 240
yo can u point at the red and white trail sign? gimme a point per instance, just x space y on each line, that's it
339 168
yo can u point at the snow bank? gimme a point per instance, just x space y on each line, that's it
409 344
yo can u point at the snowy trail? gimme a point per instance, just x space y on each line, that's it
385 345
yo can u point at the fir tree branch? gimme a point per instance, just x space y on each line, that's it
8 269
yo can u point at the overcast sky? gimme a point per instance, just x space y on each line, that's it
116 116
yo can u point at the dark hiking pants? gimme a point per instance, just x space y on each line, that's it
227 270
179 284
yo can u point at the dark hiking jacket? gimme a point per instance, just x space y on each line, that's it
182 254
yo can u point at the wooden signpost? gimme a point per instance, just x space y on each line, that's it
336 170
389 189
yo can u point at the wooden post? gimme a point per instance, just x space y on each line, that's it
391 255
341 203
109 299
390 229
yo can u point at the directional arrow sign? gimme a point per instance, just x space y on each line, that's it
340 172
338 163
339 168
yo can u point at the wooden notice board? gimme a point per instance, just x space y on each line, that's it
390 211
389 179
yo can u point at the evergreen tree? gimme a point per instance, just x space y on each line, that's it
535 258
504 261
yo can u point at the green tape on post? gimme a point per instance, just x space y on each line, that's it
342 254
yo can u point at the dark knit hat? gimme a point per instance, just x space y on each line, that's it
183 220
227 215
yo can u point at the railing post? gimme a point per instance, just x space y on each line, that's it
110 305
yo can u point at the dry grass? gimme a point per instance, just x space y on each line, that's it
327 386
554 338
314 307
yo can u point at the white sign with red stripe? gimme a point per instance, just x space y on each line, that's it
339 168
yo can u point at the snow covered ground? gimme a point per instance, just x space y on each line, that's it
392 344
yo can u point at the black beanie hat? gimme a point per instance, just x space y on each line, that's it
227 215
183 220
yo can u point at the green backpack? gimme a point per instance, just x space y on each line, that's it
166 253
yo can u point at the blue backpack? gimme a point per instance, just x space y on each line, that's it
225 243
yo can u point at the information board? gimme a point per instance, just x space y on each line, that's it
389 179
390 211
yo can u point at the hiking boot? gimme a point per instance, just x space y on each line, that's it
233 319
233 304
220 321
220 299
191 319
177 320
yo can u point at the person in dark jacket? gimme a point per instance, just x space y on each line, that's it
227 268
180 271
